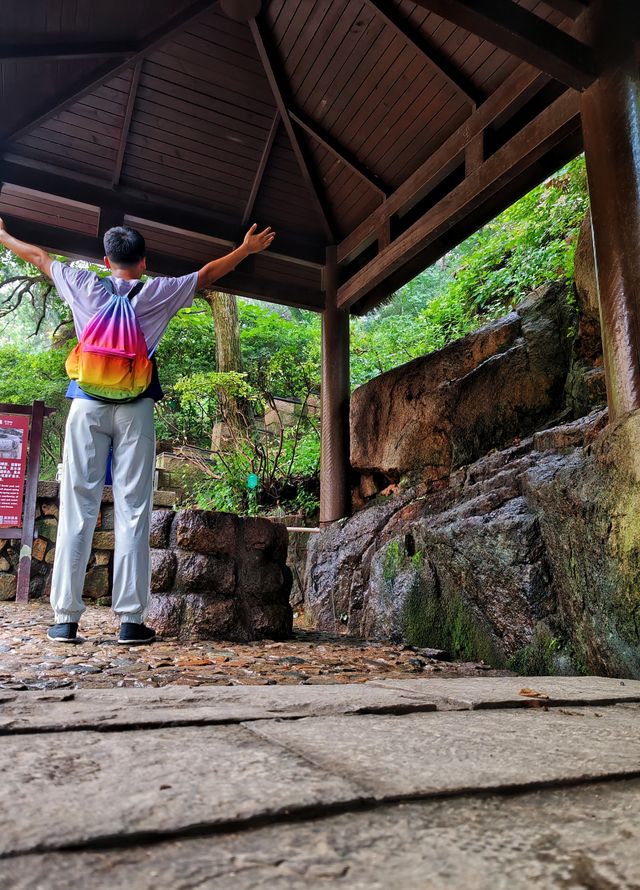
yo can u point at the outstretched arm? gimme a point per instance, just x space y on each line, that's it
253 243
29 252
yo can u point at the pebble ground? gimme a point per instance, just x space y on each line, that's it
28 660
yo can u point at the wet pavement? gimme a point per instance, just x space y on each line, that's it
28 660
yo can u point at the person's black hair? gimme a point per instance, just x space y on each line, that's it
124 246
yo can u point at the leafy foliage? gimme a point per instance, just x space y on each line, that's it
27 376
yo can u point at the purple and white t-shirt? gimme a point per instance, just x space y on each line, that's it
154 306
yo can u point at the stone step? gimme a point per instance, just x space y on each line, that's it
114 709
76 789
553 838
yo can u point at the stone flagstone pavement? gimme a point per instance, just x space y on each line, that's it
430 782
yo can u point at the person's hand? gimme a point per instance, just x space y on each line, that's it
260 241
2 225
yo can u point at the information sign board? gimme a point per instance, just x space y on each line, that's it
14 436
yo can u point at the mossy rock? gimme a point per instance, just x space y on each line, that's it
430 617
448 622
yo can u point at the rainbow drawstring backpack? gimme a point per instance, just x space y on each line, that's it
111 361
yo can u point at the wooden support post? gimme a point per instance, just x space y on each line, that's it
611 130
335 493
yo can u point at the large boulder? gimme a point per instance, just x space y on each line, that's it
529 557
447 408
216 575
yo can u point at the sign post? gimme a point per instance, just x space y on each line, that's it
17 507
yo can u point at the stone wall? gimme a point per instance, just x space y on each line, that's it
214 575
97 586
217 575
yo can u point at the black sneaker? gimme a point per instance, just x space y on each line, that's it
65 633
136 634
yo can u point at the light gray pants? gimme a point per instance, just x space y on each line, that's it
91 428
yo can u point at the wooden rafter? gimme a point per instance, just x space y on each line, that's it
523 34
523 151
126 123
91 81
306 168
338 151
61 52
262 166
513 93
434 56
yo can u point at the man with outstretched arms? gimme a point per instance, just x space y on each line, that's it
123 424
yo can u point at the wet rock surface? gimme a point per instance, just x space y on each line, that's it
528 557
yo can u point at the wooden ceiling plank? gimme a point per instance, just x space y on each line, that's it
443 160
523 34
126 123
434 56
306 169
87 83
262 166
523 150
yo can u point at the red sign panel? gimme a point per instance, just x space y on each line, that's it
14 436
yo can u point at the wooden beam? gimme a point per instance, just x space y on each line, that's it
474 154
565 150
29 173
80 246
306 169
62 52
96 78
126 123
339 151
513 28
522 151
512 94
433 55
262 166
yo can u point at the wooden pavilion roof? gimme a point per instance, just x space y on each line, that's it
388 128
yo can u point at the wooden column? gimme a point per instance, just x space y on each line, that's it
611 129
335 492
